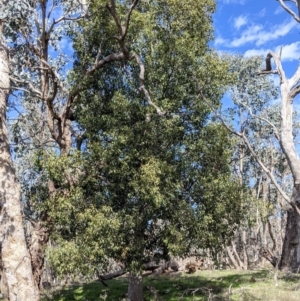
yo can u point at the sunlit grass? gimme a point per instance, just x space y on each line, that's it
204 285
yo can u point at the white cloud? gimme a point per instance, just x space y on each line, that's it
278 10
240 21
220 41
254 52
255 33
247 36
289 52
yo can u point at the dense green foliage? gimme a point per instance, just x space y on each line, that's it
147 186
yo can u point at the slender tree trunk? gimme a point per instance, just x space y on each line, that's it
290 258
15 255
245 253
232 259
135 288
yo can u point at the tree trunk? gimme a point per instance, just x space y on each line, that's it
245 253
14 252
3 283
38 241
232 259
135 288
290 258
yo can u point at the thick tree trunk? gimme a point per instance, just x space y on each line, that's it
38 241
290 258
135 288
15 255
3 283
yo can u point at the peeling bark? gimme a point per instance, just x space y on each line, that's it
289 89
38 241
15 255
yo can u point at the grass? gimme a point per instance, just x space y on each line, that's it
225 285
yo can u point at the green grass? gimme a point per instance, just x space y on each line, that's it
203 285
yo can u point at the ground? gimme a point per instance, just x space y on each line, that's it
227 285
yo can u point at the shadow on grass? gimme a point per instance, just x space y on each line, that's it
92 292
215 286
203 286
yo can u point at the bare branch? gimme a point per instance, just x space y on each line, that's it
31 88
279 70
252 151
295 91
265 169
276 132
121 29
125 29
143 88
124 55
112 9
51 9
110 58
294 80
64 18
291 12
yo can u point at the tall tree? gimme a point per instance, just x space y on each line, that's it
289 89
158 167
284 135
153 104
14 253
252 98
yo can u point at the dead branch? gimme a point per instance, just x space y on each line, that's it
110 276
266 253
279 70
290 11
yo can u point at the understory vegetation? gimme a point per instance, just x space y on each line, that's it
226 285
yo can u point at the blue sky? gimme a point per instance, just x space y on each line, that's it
254 27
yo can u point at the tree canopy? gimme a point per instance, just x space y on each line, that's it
129 164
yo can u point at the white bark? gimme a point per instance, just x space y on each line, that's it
14 252
289 88
290 11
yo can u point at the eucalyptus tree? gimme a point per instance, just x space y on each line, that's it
258 117
166 100
260 232
159 181
284 133
38 69
14 252
289 89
